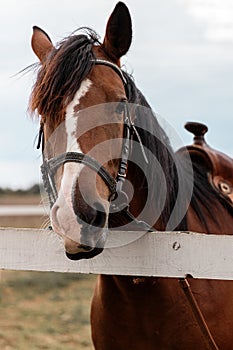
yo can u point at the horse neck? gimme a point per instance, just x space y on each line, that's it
154 183
145 204
138 202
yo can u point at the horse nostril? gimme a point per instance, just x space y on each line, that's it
88 215
100 217
95 215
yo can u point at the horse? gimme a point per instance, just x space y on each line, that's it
95 182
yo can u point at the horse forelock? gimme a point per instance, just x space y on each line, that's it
61 75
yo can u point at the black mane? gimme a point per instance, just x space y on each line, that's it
182 174
156 141
204 193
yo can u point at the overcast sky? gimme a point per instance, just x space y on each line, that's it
181 59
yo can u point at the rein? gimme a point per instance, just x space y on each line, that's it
50 167
209 340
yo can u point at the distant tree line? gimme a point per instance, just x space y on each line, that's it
35 189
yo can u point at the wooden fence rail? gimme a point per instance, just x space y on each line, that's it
165 254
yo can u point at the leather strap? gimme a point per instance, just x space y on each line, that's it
210 342
51 166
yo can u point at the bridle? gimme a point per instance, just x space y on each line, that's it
49 167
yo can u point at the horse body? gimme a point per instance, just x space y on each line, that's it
129 312
152 313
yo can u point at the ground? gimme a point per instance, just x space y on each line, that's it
43 310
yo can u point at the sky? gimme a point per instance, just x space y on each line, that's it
181 59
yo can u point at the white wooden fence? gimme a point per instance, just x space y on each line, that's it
166 254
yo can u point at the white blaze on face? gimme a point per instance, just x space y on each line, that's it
72 170
63 217
71 117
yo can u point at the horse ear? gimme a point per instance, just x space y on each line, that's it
118 34
41 43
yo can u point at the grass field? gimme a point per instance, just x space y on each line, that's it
43 310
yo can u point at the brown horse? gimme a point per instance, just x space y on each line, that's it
95 156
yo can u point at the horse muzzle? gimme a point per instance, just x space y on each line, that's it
83 230
92 244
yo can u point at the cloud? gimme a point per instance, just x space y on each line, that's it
216 17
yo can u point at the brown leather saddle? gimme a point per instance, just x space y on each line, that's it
217 165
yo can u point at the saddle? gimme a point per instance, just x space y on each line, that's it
217 165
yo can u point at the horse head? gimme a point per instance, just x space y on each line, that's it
82 144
